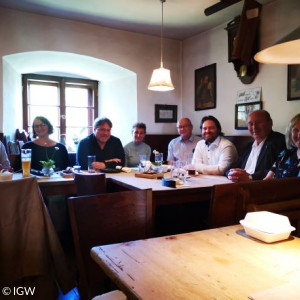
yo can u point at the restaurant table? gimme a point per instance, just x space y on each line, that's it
222 263
53 185
201 184
196 189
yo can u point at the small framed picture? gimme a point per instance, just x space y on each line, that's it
242 111
165 113
293 82
205 87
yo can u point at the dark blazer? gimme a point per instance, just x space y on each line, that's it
273 145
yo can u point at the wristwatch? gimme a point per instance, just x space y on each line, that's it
250 177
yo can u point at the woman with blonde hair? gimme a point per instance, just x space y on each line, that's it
288 161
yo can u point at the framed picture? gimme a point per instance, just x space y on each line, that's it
205 87
293 82
242 111
232 28
165 113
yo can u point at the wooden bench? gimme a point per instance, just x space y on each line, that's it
231 202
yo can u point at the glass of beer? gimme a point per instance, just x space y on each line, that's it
26 162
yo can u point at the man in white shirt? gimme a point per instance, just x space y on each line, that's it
214 154
260 155
182 147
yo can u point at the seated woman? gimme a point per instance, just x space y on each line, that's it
137 147
288 161
4 161
43 148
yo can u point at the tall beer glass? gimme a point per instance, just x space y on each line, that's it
26 162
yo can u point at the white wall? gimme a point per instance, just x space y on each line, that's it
278 19
26 32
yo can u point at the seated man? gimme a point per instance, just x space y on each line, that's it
182 147
214 154
260 155
107 148
4 161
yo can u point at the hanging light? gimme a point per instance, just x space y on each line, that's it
161 78
285 51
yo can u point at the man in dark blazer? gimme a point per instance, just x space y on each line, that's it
260 155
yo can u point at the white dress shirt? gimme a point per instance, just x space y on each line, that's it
253 156
215 158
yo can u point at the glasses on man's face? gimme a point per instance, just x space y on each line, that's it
37 126
182 127
103 129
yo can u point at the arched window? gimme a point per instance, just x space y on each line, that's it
70 104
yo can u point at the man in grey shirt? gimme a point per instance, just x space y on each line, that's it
182 147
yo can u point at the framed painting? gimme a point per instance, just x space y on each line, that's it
293 82
242 111
205 87
165 113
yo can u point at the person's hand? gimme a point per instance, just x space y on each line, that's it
117 160
238 175
9 169
98 165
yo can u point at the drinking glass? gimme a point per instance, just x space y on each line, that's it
91 159
26 162
159 161
142 164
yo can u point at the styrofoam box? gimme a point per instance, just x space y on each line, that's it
266 226
5 176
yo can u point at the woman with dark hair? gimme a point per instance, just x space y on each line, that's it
288 161
137 147
44 148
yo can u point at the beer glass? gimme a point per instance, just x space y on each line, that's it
26 162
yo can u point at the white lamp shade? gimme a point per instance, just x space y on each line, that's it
161 80
285 51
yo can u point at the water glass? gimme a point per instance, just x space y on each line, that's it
159 161
142 164
26 162
91 159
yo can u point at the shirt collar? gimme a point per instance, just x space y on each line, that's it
215 143
190 139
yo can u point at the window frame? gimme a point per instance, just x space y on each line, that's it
61 83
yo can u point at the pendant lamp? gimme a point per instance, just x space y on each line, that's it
161 77
285 51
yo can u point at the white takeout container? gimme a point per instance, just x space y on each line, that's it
5 176
267 227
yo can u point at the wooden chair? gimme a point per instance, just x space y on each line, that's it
30 252
231 202
105 219
90 184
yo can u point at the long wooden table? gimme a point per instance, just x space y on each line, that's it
54 185
166 220
221 263
194 187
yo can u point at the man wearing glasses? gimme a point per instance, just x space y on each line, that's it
107 148
182 147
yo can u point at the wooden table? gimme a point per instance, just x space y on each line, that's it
221 263
54 185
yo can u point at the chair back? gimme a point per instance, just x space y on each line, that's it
30 252
231 202
90 183
105 219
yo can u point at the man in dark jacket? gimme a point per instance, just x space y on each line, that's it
107 148
260 155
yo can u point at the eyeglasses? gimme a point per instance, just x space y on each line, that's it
39 126
182 127
103 129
